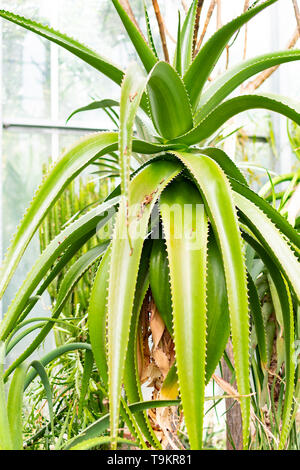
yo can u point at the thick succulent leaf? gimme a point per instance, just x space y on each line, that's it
95 105
85 225
99 426
219 204
86 376
14 406
281 223
73 275
218 323
149 32
132 90
225 162
230 80
284 297
186 229
271 238
159 282
258 320
208 56
65 170
84 53
97 316
145 53
186 38
6 441
132 383
169 103
207 126
132 220
177 56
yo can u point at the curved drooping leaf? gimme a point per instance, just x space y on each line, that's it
132 382
208 56
94 105
258 320
52 355
149 32
218 323
125 258
144 51
159 281
272 240
231 107
186 228
168 101
284 297
84 53
41 371
219 204
74 232
73 275
65 170
231 79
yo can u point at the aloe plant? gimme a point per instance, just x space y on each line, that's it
197 274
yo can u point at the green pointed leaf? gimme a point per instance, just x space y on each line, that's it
149 32
271 238
169 104
186 227
186 37
230 108
6 440
258 320
210 53
133 87
230 80
97 316
219 204
218 324
84 53
84 226
41 371
125 259
73 275
132 382
15 405
144 51
52 356
87 373
286 306
99 426
281 223
65 170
